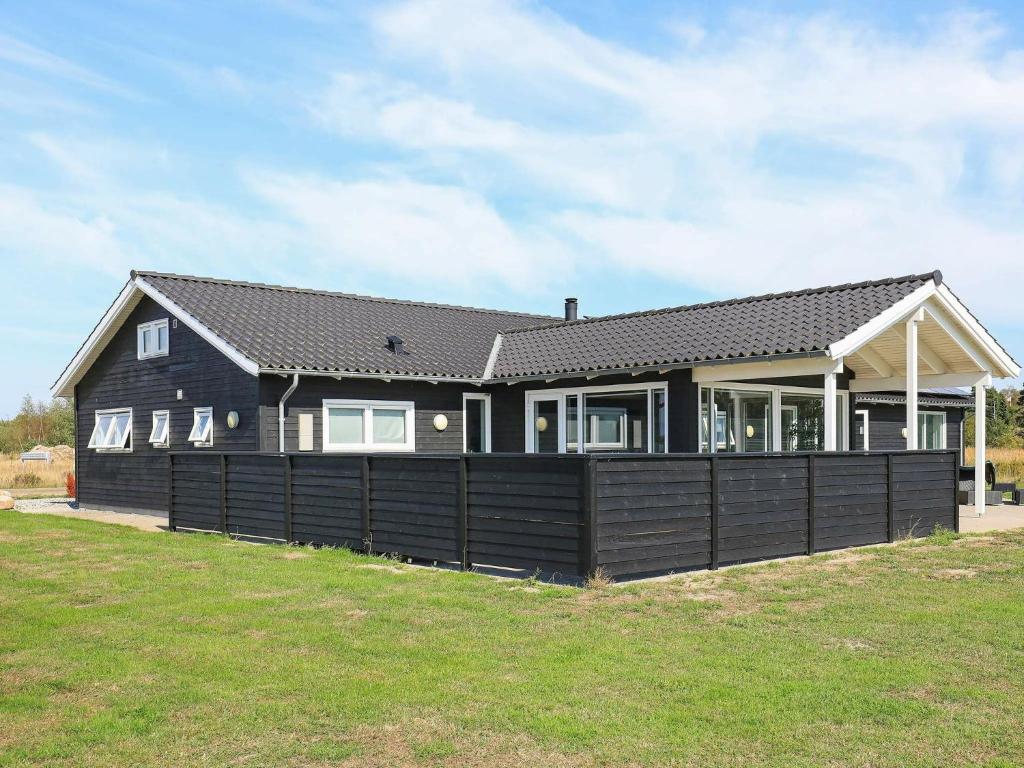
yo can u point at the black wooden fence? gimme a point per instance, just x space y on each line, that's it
631 515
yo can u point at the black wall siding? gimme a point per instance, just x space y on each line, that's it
138 480
886 423
430 400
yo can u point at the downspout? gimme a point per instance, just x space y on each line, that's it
280 411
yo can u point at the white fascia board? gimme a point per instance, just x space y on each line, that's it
339 375
249 366
899 383
1008 368
897 313
71 373
768 369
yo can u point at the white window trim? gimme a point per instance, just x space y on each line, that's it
867 427
154 439
777 391
943 433
486 398
559 395
127 444
368 445
197 439
155 325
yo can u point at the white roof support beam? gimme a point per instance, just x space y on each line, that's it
899 383
805 366
979 450
911 338
924 352
830 404
875 360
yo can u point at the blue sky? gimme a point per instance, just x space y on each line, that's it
503 154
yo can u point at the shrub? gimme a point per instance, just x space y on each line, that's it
70 486
27 480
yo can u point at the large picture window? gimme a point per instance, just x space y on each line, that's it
369 425
617 418
113 430
751 418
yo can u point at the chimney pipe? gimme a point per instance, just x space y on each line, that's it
570 309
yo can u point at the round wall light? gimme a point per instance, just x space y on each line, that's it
542 423
232 419
440 422
750 430
904 433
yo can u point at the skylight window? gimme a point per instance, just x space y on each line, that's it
153 339
113 430
202 427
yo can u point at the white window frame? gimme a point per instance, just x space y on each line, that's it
867 426
164 440
559 395
777 391
945 425
486 399
154 326
197 438
127 444
368 446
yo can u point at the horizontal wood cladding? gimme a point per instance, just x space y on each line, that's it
653 515
630 516
886 423
525 512
118 379
430 400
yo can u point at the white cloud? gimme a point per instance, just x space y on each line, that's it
22 54
425 233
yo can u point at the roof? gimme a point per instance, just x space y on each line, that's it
805 321
950 397
309 330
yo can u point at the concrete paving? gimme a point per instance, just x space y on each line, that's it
1002 518
62 507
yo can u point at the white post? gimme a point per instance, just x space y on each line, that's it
830 405
979 449
912 380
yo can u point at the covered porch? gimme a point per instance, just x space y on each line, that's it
801 400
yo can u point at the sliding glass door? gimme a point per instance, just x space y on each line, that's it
613 419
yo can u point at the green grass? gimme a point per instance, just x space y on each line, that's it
123 648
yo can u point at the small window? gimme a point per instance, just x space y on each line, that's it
113 430
202 427
159 437
153 339
368 425
931 430
476 422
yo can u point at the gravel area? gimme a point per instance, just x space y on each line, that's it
64 507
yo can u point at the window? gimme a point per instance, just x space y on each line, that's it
931 430
622 418
153 339
369 425
476 423
159 436
202 427
113 430
750 418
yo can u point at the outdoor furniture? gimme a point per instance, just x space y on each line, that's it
993 497
36 456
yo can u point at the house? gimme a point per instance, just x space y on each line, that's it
198 364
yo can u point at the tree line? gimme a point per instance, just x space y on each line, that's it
38 423
1004 419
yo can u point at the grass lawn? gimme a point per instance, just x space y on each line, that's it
124 648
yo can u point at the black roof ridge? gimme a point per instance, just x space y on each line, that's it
936 275
340 294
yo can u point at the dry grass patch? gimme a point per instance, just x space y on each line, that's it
14 474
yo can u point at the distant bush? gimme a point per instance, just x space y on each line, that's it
27 480
70 486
